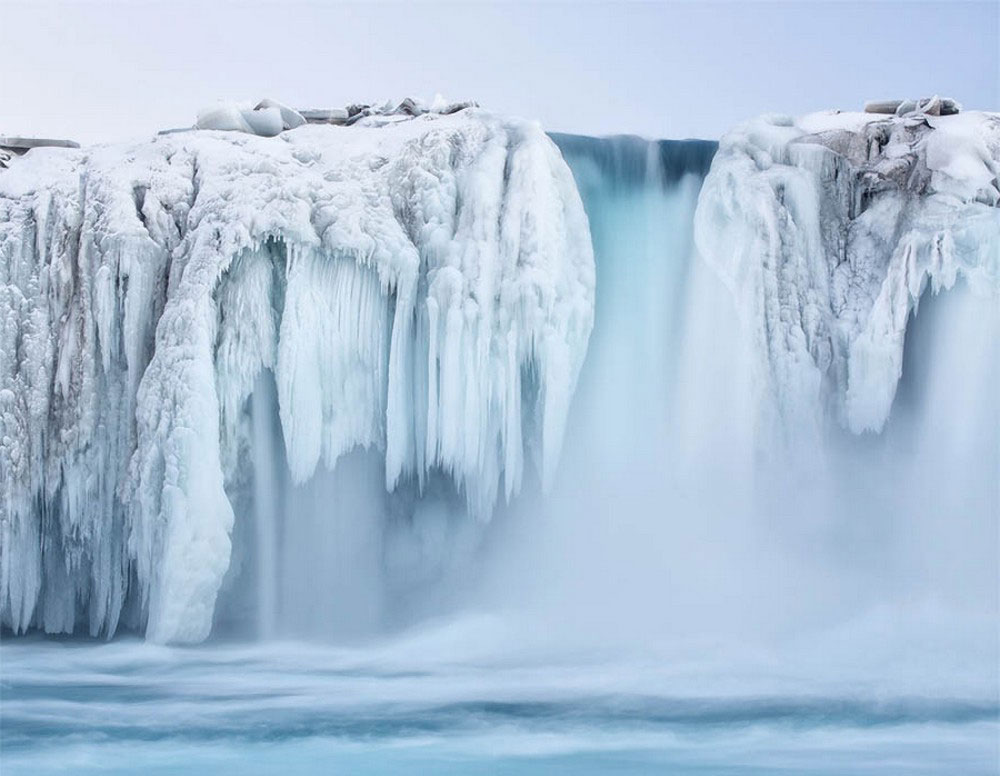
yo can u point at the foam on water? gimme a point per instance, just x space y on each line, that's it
415 704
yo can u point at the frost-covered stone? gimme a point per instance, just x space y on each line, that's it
290 117
267 119
423 286
882 106
22 145
932 106
270 117
829 228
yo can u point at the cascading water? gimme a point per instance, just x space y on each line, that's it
650 536
733 540
267 502
329 564
684 517
640 198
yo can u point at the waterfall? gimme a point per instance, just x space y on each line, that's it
395 390
267 502
421 288
685 516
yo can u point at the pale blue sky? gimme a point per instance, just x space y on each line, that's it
108 70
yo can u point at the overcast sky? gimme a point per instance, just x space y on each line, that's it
108 70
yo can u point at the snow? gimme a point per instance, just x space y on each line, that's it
828 229
422 286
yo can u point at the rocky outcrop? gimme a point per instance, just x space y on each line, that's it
270 117
931 106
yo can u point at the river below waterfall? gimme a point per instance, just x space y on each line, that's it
446 700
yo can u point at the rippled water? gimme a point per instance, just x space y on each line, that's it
423 705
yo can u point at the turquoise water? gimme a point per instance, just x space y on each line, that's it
128 707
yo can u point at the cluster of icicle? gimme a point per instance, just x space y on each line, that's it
829 228
424 287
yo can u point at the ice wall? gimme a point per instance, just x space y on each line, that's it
419 286
828 229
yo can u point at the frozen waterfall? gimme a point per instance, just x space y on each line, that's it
706 502
829 229
286 382
422 287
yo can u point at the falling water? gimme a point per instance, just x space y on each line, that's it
680 525
691 597
675 519
315 551
267 501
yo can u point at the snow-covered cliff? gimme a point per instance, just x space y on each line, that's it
829 228
421 285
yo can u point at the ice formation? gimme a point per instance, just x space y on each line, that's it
267 118
828 228
419 280
423 286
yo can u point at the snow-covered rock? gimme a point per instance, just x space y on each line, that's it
267 118
423 286
829 228
270 117
932 106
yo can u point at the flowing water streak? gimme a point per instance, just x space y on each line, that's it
267 504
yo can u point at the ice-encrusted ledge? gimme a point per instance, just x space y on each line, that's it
829 228
423 286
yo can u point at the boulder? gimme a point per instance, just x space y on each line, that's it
882 106
290 118
226 118
267 119
265 122
950 107
929 106
324 115
20 145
